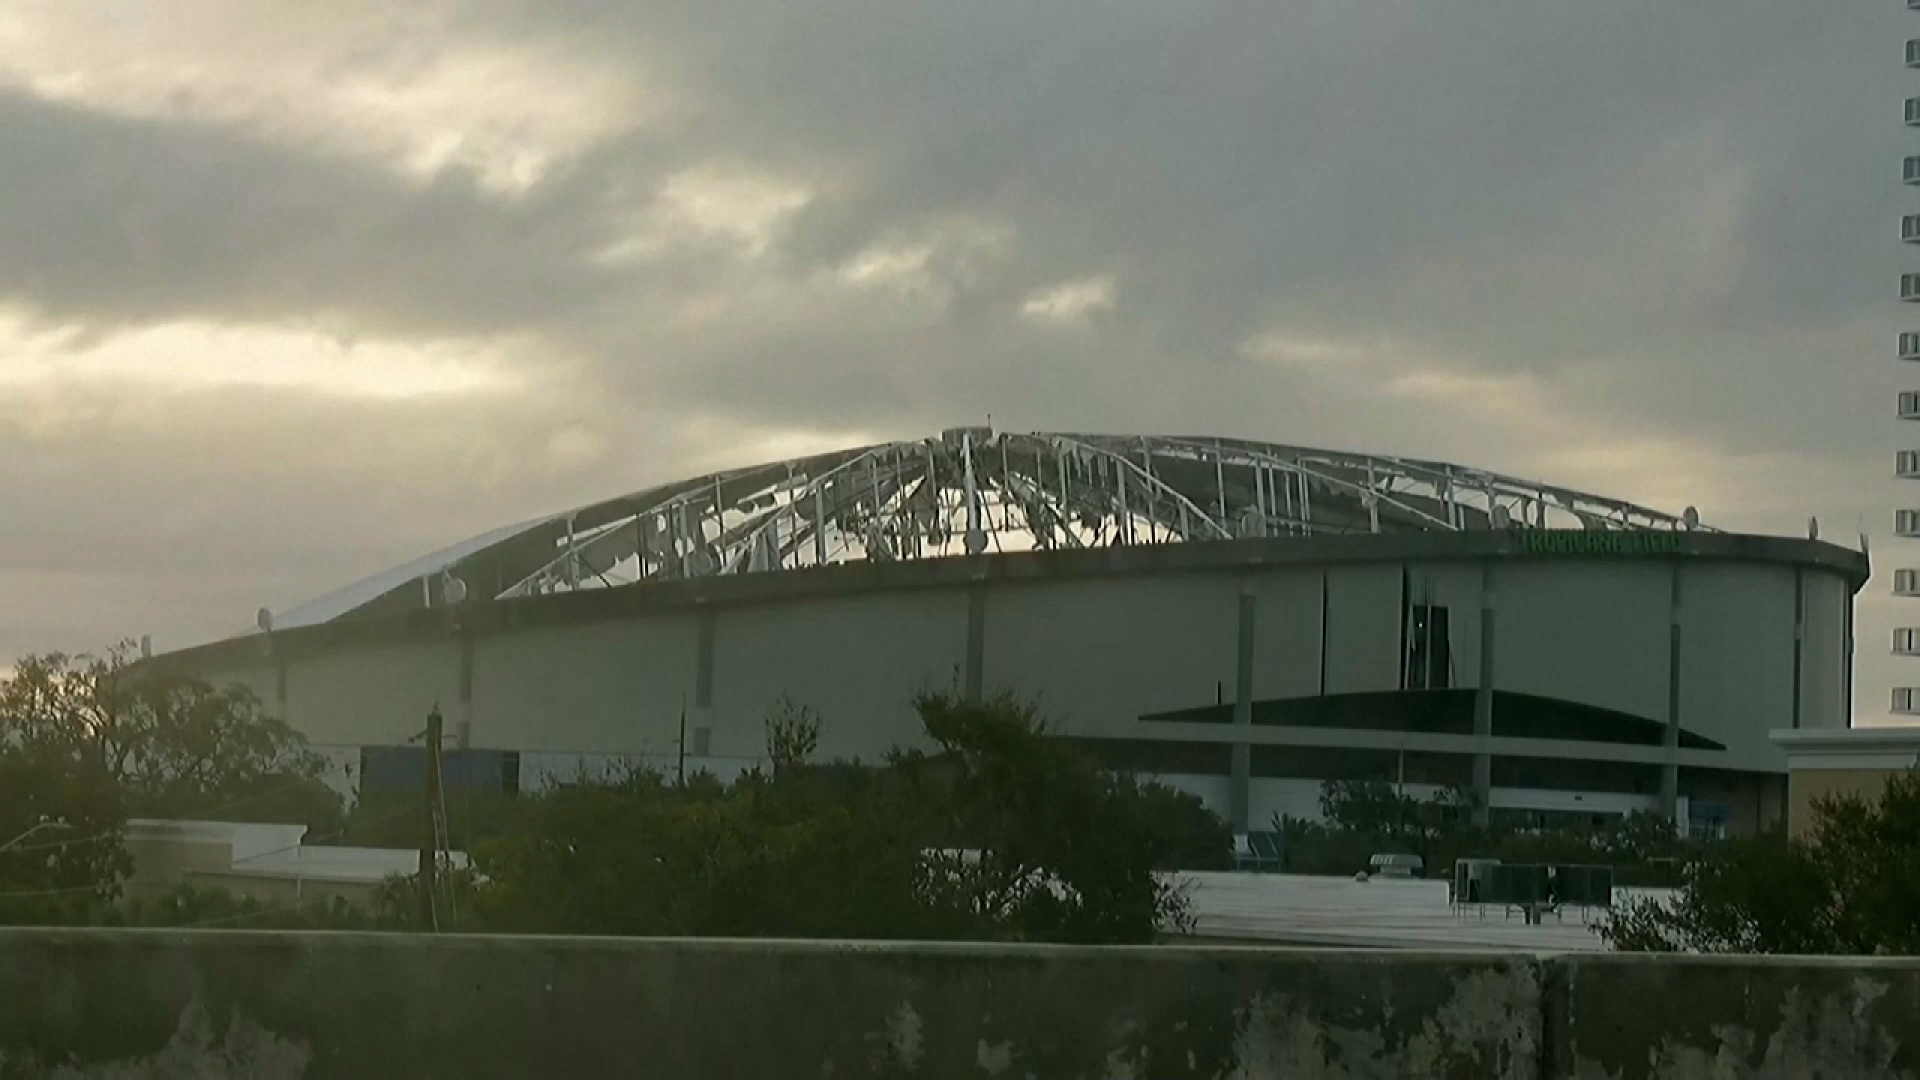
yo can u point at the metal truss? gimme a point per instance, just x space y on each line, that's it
974 490
970 491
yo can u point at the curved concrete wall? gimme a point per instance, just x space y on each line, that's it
1757 642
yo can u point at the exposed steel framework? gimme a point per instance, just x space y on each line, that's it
972 491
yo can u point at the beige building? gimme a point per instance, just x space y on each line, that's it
1845 761
265 862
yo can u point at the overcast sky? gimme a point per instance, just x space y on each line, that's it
293 292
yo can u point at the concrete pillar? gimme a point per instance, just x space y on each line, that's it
1241 781
1483 706
975 671
1799 638
1670 742
1846 672
700 717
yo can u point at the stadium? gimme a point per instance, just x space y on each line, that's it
1241 619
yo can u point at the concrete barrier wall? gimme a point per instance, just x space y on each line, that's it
1742 1018
268 1005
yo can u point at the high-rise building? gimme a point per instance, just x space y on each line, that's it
1906 462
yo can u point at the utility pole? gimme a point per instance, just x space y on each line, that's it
430 835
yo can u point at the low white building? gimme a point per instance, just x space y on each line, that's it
267 862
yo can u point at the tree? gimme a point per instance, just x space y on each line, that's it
1750 894
997 832
793 733
86 742
61 819
1852 886
173 746
1032 834
636 855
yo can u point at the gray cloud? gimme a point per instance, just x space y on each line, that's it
112 221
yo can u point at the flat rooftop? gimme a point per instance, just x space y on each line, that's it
1383 913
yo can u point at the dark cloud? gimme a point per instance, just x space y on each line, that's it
1526 186
108 221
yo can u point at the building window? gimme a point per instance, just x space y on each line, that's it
1429 660
702 742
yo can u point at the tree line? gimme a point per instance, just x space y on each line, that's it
990 830
1850 886
1359 818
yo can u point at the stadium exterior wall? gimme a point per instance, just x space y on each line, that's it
1696 644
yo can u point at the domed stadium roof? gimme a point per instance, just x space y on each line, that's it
972 491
